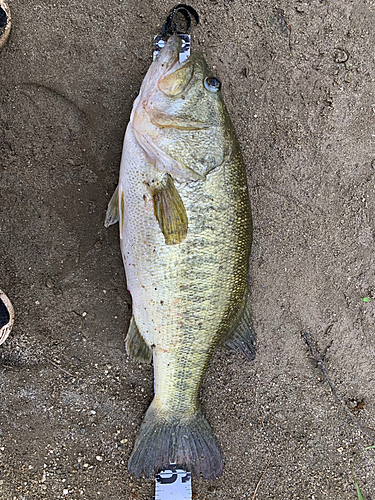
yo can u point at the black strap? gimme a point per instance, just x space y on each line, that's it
170 26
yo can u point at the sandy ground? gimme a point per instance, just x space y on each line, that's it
298 79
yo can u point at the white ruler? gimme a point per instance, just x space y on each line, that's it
173 484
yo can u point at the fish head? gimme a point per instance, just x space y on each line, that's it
179 117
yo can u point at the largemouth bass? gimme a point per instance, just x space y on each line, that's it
185 230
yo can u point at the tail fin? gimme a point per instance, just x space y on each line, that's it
188 442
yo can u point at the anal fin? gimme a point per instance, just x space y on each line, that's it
136 346
242 336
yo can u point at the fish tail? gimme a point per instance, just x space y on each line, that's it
188 442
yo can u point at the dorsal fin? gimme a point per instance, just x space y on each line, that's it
242 336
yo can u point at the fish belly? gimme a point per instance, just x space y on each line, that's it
185 296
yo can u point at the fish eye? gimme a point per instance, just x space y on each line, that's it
212 83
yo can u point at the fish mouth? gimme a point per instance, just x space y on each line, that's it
165 62
163 67
169 57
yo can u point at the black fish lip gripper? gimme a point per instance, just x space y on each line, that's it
172 27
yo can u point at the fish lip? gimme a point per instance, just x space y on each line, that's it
173 63
172 46
176 65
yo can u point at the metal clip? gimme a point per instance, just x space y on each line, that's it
159 43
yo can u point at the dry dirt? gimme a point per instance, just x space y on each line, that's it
298 79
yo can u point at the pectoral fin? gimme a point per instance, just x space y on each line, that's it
169 210
136 347
115 210
112 216
242 336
